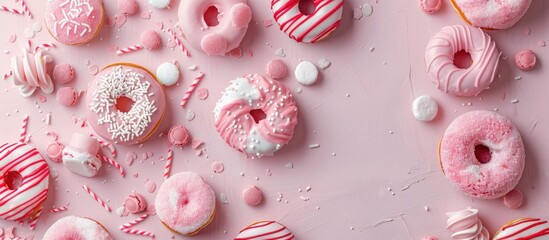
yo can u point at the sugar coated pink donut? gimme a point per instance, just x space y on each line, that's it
141 103
185 203
256 115
63 73
128 7
491 14
80 228
276 69
252 195
67 96
135 203
79 27
233 16
307 28
151 40
430 6
439 58
482 154
24 175
265 230
526 60
178 136
524 229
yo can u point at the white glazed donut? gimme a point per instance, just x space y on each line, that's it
26 200
307 28
265 230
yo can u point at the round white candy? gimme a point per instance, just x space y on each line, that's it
306 73
160 4
425 108
167 73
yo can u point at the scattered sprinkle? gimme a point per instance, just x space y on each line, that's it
289 165
315 145
367 9
280 52
190 115
514 100
518 77
323 63
223 198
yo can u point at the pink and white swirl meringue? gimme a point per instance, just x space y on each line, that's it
29 72
465 224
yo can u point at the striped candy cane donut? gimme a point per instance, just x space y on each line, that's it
265 230
23 181
307 28
524 228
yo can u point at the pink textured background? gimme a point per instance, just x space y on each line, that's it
360 110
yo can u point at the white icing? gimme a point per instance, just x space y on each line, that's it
256 145
83 164
240 88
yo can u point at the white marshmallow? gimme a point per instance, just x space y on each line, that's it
306 73
160 4
425 108
167 73
81 163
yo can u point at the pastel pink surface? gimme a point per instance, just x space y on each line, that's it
276 69
488 180
493 14
185 202
525 60
151 40
74 29
78 228
179 136
513 199
67 96
128 7
252 195
63 73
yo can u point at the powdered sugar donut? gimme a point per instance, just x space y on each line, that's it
24 176
185 203
524 228
74 22
125 103
482 154
439 58
233 17
265 230
491 14
72 227
308 28
256 115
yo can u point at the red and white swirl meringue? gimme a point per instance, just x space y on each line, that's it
465 224
29 73
524 228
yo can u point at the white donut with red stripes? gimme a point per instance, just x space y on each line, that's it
307 28
524 228
23 182
265 230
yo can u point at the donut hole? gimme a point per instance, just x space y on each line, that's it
124 104
462 59
307 7
13 180
211 16
483 154
258 115
183 200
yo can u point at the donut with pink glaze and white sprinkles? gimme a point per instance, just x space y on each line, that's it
74 22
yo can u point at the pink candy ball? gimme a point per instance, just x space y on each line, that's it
128 7
276 69
526 60
430 6
252 195
54 151
63 73
151 40
67 96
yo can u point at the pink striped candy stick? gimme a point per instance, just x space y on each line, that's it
138 232
25 8
23 134
129 49
105 144
59 209
96 198
10 10
134 222
113 163
179 43
197 80
44 45
168 167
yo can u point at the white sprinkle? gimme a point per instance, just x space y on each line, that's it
299 190
29 33
289 165
192 67
299 90
223 198
514 101
367 9
518 77
190 115
280 52
426 208
37 27
323 63
315 145
308 188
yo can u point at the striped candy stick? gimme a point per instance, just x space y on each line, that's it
44 45
138 232
96 198
25 8
129 49
113 163
179 43
191 89
168 167
105 144
134 222
10 10
24 125
59 209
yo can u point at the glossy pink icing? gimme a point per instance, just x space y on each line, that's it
465 224
74 21
30 73
457 154
76 228
524 229
101 97
237 126
439 58
234 17
493 14
185 202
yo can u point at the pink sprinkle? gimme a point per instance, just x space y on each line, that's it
267 23
144 156
526 31
93 69
202 93
9 233
542 43
12 38
112 48
250 53
145 15
136 175
218 167
111 21
196 143
150 186
151 209
159 25
130 157
171 44
357 13
42 98
236 53
120 19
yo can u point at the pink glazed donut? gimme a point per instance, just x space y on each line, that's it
233 18
482 154
256 115
491 14
74 22
185 203
308 28
80 228
439 58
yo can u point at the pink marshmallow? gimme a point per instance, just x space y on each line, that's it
513 199
63 73
525 60
151 40
84 143
67 96
54 151
252 195
430 6
128 7
178 136
241 15
135 203
214 44
276 69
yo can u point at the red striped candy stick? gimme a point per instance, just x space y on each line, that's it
129 49
197 80
23 134
25 8
168 167
105 144
44 45
138 232
11 10
59 209
179 43
134 222
96 198
113 163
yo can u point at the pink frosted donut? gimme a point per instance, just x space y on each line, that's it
307 28
439 58
74 22
185 203
265 230
232 23
71 227
133 98
491 14
256 115
24 176
482 154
